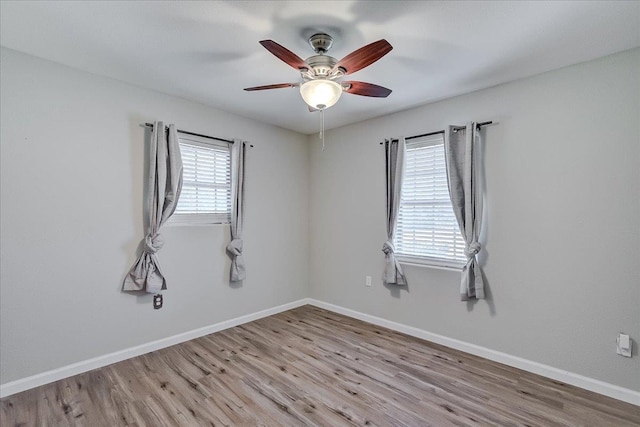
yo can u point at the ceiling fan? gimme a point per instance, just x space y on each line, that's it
321 86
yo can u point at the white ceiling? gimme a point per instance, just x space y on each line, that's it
208 51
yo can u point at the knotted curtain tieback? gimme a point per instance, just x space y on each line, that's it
472 249
235 247
153 243
388 248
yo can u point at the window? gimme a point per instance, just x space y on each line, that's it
427 230
206 182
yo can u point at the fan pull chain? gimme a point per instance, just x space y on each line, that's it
322 129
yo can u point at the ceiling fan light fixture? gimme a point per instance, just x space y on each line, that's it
320 93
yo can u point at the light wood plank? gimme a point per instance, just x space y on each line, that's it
311 367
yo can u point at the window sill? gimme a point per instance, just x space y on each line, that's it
193 224
430 263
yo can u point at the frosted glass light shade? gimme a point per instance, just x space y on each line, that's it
320 94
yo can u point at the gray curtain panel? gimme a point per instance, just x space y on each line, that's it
394 156
162 187
462 152
234 248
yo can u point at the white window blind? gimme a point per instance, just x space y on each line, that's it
427 230
206 182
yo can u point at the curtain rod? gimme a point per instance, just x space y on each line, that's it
456 128
150 125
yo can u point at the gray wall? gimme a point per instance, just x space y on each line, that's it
562 244
562 210
71 200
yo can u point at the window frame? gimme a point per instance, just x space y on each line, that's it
203 219
425 260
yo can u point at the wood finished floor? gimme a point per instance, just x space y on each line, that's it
311 367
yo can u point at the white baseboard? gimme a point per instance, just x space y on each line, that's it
567 377
118 356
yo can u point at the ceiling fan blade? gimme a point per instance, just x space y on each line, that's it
366 89
276 86
364 56
285 54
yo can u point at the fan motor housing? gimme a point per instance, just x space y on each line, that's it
321 64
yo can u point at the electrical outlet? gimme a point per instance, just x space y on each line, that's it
157 301
624 345
367 281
